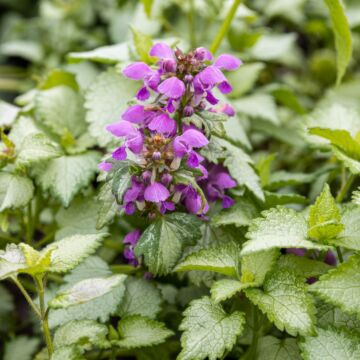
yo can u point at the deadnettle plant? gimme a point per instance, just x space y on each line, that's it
162 149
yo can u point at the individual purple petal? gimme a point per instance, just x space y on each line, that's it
168 65
202 54
194 138
172 87
170 106
167 206
152 79
193 203
132 193
105 166
296 251
137 70
143 94
161 51
130 208
132 237
156 192
166 179
134 114
330 258
163 124
225 87
135 142
211 98
225 181
211 76
227 202
227 62
227 109
119 153
194 159
122 128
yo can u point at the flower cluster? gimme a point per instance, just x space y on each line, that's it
161 144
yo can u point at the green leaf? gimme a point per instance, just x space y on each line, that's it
349 237
87 333
8 113
162 242
68 174
331 344
35 148
100 308
15 191
279 179
223 259
285 302
303 266
106 100
255 267
70 251
138 331
274 199
79 218
263 166
12 260
121 180
143 44
141 298
341 286
240 214
324 217
68 352
343 41
61 109
58 77
205 321
271 348
279 227
21 348
86 290
147 6
108 205
226 288
105 54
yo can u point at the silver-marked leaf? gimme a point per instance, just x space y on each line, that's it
86 290
162 242
208 331
226 288
285 302
12 260
272 348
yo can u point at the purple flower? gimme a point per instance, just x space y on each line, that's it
190 139
227 62
137 71
105 166
202 54
156 192
162 51
172 88
130 241
134 114
134 139
163 124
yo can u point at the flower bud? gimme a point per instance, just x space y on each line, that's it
156 155
166 179
146 176
188 110
188 79
169 65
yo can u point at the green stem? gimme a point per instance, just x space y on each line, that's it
339 254
252 350
44 316
29 224
345 188
225 26
27 296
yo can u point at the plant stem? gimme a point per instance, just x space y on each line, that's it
252 350
224 27
44 316
27 296
29 224
339 254
345 188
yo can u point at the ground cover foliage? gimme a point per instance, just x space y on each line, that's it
180 179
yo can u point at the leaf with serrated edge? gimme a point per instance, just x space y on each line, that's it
86 290
68 352
279 227
71 250
12 260
162 242
137 331
208 330
271 348
87 333
15 191
66 175
226 288
331 344
341 286
223 259
285 302
141 298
